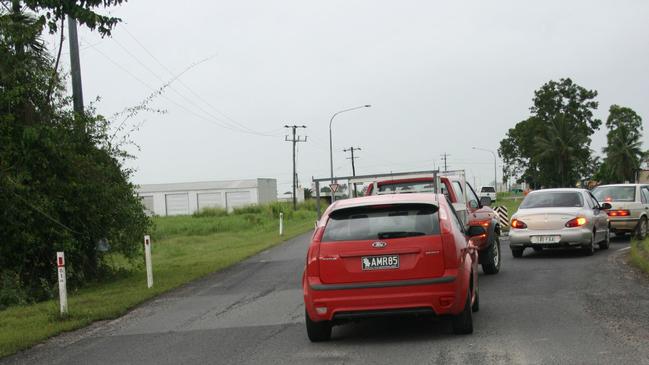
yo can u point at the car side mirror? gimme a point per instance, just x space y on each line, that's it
474 231
474 204
605 206
485 201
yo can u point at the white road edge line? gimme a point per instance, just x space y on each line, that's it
624 249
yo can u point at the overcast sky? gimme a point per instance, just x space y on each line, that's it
441 77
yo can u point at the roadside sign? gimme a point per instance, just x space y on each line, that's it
63 292
147 261
334 187
503 215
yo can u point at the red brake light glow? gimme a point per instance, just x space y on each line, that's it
518 224
618 213
576 222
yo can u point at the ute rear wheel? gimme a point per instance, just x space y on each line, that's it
491 263
317 331
517 252
537 248
463 322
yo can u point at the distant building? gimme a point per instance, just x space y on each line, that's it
288 195
187 198
642 177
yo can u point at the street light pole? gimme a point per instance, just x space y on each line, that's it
331 146
494 154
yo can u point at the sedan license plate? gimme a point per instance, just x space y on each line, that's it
545 239
380 262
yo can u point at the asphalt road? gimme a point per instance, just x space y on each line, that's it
546 308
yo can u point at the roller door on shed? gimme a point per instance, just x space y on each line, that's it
177 204
209 200
238 199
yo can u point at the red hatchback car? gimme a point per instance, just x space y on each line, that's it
382 255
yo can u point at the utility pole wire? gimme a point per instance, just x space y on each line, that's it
35 208
166 97
445 158
187 99
75 66
295 139
157 92
195 94
352 149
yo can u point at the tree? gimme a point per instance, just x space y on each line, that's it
63 185
624 152
53 12
551 148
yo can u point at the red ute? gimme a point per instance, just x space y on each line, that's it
472 211
390 255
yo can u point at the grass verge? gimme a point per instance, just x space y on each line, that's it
183 249
511 201
640 254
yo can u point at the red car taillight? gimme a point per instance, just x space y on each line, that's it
576 222
312 264
518 224
618 213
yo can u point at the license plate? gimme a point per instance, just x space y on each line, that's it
380 262
545 239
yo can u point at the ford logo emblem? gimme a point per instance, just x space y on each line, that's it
379 244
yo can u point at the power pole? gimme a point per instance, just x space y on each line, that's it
352 149
444 158
75 65
295 140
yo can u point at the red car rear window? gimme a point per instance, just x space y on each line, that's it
382 222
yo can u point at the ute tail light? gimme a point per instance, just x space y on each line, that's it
576 222
518 224
619 213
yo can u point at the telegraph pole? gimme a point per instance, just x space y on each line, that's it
75 65
295 140
352 149
444 158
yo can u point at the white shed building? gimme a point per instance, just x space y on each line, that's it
187 198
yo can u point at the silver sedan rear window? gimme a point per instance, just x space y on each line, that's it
552 199
615 193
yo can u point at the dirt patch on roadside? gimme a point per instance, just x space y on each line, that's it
621 304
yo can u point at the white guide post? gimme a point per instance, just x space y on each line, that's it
281 224
147 260
63 291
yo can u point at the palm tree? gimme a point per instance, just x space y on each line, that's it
559 144
624 153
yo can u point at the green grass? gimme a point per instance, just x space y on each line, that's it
640 254
511 201
183 249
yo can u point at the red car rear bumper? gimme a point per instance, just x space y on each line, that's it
444 295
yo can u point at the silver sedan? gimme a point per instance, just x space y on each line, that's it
553 218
